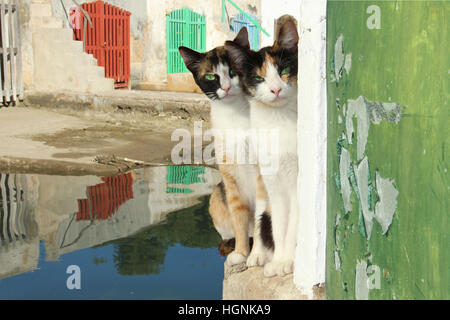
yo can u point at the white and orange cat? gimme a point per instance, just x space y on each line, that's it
233 203
269 80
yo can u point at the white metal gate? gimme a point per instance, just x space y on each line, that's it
11 81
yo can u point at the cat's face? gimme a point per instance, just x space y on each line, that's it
270 74
212 71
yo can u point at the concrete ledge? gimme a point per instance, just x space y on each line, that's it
54 167
188 105
242 283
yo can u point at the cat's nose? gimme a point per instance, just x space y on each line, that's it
276 91
227 89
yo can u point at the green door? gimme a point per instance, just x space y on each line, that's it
184 27
388 70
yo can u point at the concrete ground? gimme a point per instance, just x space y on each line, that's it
242 283
73 134
62 133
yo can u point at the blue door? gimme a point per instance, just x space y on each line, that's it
239 21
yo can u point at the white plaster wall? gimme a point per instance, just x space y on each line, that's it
312 147
26 43
272 10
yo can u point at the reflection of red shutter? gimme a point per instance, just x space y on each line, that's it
108 40
105 199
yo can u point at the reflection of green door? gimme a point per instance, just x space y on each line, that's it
183 175
388 119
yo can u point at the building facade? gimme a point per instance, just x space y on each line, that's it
157 29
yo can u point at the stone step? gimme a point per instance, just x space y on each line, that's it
66 66
77 46
99 71
104 84
92 60
56 34
41 10
84 59
46 22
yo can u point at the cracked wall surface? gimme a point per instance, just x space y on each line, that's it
388 184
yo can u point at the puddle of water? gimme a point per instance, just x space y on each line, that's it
146 234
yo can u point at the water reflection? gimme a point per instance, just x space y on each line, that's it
145 253
128 213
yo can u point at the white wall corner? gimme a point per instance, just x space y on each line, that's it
312 146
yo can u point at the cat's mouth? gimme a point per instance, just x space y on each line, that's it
228 96
277 99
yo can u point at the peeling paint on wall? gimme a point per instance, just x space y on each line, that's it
344 167
385 208
341 61
367 112
337 261
361 279
362 178
391 126
355 173
338 57
348 62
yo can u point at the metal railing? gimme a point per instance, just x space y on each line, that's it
11 81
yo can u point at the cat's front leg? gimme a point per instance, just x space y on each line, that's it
239 220
261 252
239 215
292 228
281 264
284 264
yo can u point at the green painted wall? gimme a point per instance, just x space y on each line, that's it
400 73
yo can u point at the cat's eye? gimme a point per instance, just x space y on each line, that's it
286 71
210 77
232 73
259 79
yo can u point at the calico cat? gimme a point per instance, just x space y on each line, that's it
269 79
232 204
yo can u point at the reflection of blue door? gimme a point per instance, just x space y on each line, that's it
239 21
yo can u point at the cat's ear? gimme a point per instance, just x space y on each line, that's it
238 56
242 38
288 36
190 57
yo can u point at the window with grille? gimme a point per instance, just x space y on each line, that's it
184 28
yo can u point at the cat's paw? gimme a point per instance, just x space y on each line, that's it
278 268
235 258
258 258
